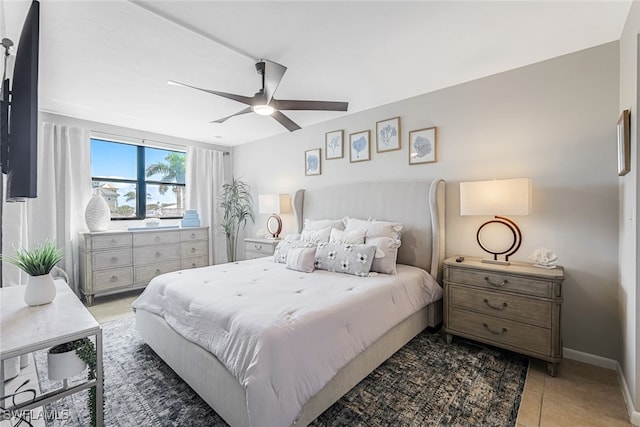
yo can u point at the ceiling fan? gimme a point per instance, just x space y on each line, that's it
265 104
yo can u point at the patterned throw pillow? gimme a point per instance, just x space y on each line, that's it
345 258
282 250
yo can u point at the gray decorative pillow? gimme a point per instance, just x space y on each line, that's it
282 250
301 259
389 247
345 258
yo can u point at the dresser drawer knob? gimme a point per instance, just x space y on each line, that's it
193 250
501 332
157 238
114 259
114 241
158 271
193 235
193 265
114 278
495 307
497 285
158 254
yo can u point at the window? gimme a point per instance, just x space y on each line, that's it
138 182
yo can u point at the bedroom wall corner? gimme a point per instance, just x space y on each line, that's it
552 121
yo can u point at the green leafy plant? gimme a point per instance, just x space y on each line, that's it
86 351
235 201
39 260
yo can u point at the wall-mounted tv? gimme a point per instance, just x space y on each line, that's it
19 142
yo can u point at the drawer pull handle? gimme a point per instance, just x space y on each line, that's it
193 265
157 238
114 259
258 247
113 241
158 254
501 332
193 235
497 285
193 250
495 307
158 271
114 278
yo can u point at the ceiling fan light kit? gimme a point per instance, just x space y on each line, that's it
265 104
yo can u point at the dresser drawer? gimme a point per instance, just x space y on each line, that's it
499 304
110 241
505 333
153 254
111 259
114 278
194 249
196 234
159 238
148 272
499 281
202 261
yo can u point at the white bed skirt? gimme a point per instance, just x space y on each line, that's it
211 380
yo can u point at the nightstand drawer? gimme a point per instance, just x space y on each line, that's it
154 254
503 305
160 238
512 335
114 278
111 259
503 282
259 248
148 272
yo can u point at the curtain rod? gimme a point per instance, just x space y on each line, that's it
144 141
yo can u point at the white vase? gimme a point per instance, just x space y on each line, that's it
40 290
64 365
97 214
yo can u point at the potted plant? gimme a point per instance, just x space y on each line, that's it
69 359
38 263
235 202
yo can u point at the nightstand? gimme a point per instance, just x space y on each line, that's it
516 307
255 247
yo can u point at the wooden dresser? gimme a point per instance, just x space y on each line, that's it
117 261
515 307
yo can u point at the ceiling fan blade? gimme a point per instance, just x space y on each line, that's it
284 104
222 120
285 121
273 73
244 99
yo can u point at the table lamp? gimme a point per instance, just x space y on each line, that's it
497 197
274 204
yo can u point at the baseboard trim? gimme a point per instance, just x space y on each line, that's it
603 362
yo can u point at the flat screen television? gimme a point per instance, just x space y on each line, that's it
19 110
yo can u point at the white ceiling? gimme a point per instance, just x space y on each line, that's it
109 61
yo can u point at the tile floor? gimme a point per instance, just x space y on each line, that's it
581 395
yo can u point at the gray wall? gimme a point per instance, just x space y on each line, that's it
553 122
629 293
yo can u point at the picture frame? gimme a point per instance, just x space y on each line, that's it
334 145
388 135
624 143
360 146
422 146
312 162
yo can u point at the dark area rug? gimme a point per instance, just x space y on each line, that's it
426 383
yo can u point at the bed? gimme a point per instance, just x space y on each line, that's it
251 396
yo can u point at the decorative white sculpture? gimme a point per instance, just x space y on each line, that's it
544 258
97 214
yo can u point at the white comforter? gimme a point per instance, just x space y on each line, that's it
284 334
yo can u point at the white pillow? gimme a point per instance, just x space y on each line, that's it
316 236
301 259
310 224
339 236
374 228
292 237
389 246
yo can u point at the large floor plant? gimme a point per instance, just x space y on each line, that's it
235 202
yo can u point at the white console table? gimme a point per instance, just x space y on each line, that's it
25 329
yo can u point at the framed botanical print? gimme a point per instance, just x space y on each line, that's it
422 146
388 135
312 162
359 146
333 145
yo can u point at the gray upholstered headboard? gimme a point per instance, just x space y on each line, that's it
418 205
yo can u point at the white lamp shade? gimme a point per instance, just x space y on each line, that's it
496 197
274 203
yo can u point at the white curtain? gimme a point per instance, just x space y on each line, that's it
206 173
64 189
